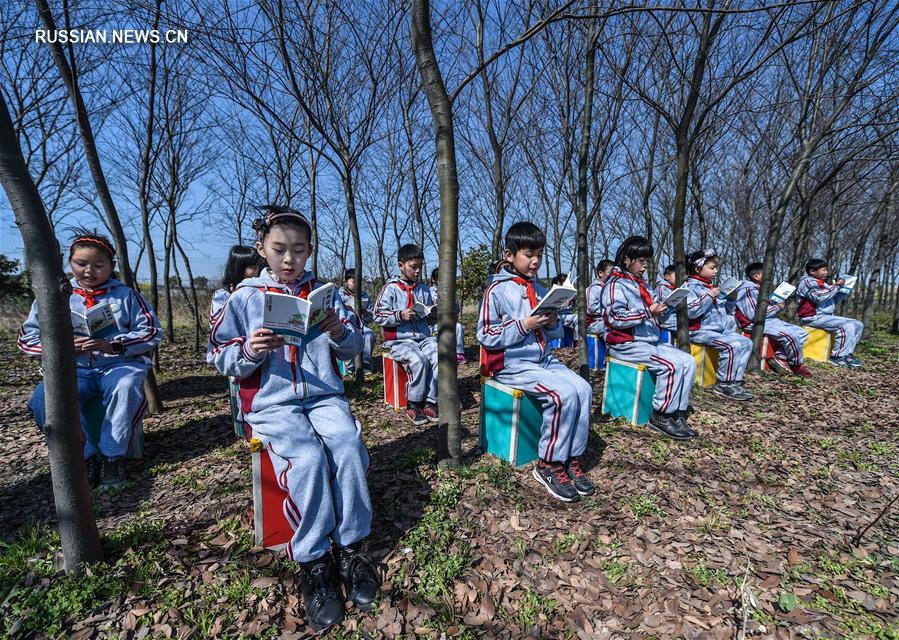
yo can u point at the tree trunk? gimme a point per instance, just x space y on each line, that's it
350 195
583 267
449 445
677 229
71 493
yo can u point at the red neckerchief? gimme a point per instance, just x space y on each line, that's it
821 283
408 288
90 297
707 283
532 300
644 292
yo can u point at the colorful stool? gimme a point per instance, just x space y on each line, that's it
628 391
270 526
596 352
666 336
564 342
342 367
396 382
510 423
766 350
95 413
234 401
706 364
818 345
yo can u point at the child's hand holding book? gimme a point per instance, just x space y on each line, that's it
657 309
331 324
542 321
408 314
264 340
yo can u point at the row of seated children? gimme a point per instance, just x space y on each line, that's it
112 367
293 400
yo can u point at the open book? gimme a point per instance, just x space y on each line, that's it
422 309
676 297
97 322
849 285
783 291
729 285
295 318
556 299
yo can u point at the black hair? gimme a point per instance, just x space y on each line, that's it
239 258
603 264
559 279
704 255
814 264
671 268
273 215
633 248
408 252
496 266
349 273
434 274
524 235
89 238
753 268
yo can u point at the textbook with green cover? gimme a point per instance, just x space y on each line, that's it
295 318
96 322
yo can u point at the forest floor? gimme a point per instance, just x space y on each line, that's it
746 529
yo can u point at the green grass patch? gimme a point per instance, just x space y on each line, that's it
532 607
645 505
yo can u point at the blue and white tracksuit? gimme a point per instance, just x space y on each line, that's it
815 300
368 336
632 334
595 323
293 400
409 341
789 338
667 320
117 379
460 332
710 325
219 298
521 359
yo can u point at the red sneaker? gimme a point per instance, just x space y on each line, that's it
802 370
416 414
430 411
779 365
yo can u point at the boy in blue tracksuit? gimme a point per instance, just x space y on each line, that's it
710 325
632 334
348 295
595 323
460 332
815 300
293 399
112 367
788 338
407 334
515 344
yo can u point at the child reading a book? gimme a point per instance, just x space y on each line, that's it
460 332
402 309
293 400
515 346
243 262
663 289
710 325
632 334
348 295
595 323
815 302
788 338
111 351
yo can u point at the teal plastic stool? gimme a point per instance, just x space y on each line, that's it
510 423
95 412
234 401
628 392
596 352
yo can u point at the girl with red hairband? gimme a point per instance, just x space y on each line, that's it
111 356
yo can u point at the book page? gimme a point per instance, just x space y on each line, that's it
287 316
783 291
677 296
555 300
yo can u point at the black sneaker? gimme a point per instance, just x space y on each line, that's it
742 391
580 480
670 425
729 390
92 468
359 576
778 365
321 593
112 473
681 417
415 414
554 477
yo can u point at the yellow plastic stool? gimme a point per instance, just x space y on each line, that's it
818 345
706 364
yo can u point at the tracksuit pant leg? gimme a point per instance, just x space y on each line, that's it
790 340
566 398
460 340
368 346
846 332
673 369
419 359
733 352
320 461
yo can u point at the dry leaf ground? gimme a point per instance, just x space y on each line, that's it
769 496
